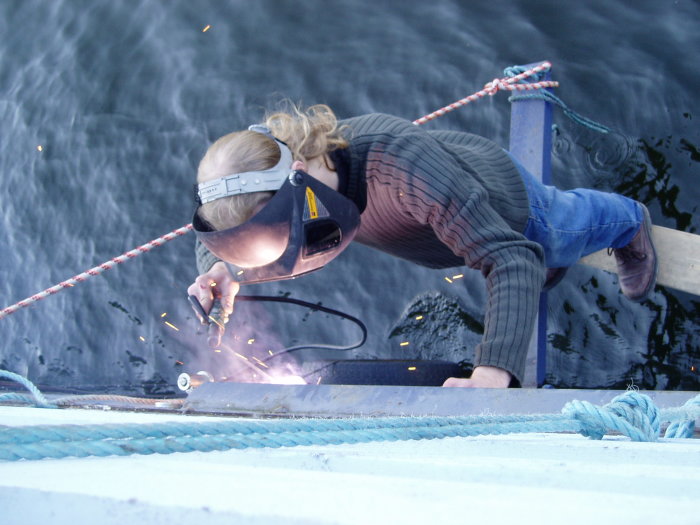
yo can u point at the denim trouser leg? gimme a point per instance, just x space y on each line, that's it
572 224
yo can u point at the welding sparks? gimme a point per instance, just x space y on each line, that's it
458 276
241 356
142 338
206 28
179 363
318 382
405 343
448 280
172 326
270 352
419 317
163 314
251 341
40 148
240 272
412 368
260 362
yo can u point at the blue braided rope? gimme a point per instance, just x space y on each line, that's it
37 396
13 397
169 445
548 96
514 71
683 424
631 414
42 433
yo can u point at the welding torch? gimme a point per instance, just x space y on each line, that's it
215 319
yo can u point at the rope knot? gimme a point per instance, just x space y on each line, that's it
632 414
492 87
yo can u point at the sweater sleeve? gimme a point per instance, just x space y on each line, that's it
204 258
436 190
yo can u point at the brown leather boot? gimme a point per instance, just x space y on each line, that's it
636 263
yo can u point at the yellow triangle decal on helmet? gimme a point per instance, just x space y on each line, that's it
314 208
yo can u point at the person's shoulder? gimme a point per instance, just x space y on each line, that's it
377 123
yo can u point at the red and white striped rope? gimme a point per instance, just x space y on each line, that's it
508 83
490 89
96 270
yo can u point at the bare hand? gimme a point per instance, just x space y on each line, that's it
215 285
482 377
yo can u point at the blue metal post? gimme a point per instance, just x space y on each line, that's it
531 144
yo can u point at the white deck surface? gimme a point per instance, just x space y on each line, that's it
521 479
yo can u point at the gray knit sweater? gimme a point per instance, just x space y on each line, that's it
445 199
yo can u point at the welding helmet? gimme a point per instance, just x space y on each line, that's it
300 229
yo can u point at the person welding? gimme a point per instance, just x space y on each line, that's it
284 198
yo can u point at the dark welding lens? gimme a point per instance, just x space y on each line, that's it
320 236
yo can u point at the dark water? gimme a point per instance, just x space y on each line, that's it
124 97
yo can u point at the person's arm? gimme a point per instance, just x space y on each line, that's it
203 257
514 273
214 283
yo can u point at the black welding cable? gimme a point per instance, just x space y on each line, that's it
312 306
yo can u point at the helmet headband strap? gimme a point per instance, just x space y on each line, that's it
250 181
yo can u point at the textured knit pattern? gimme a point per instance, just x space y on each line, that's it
444 199
205 259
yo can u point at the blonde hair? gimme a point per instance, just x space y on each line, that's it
309 133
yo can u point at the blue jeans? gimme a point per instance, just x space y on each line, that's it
574 223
